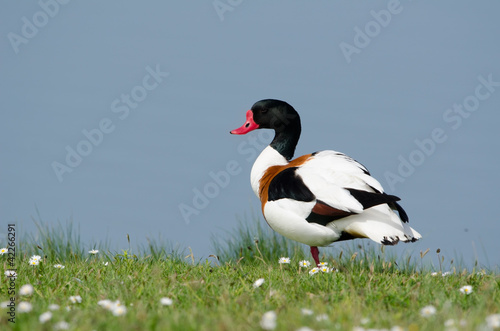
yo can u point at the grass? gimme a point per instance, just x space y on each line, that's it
369 290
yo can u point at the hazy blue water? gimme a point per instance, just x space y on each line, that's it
70 72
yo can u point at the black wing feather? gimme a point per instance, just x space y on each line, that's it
370 199
287 184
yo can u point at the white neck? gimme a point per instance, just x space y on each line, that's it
268 158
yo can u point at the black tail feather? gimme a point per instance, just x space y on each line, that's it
370 199
402 213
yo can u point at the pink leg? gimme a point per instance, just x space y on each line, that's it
315 254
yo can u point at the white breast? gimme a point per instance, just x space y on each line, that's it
268 158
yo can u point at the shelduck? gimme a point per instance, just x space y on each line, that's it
322 197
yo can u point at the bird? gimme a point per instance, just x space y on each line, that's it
319 198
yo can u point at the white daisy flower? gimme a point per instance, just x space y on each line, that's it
434 274
304 264
24 307
305 328
36 258
284 260
115 304
4 304
258 282
268 321
34 262
10 274
75 299
322 264
54 307
26 290
493 321
45 317
59 266
3 251
467 289
119 310
105 264
428 311
322 317
325 269
61 325
449 323
94 251
397 328
306 312
106 304
446 273
313 271
166 301
364 321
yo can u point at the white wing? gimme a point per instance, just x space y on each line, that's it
328 173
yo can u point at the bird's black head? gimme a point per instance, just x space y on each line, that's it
275 114
279 116
271 114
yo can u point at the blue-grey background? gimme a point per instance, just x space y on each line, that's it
394 90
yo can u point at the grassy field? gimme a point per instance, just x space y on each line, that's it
159 288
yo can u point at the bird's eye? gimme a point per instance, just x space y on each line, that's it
263 111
